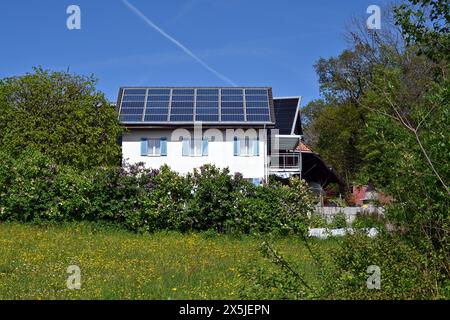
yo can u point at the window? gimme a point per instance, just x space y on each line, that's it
195 147
154 147
246 147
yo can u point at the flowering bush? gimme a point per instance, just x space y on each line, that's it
34 189
28 188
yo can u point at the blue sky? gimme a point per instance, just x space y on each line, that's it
250 42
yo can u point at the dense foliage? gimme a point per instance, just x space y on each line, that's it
406 272
60 114
399 105
426 23
35 189
384 118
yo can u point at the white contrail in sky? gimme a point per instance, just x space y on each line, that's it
177 43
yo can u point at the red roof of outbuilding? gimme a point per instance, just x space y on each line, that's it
303 148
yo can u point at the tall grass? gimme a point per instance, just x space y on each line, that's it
116 264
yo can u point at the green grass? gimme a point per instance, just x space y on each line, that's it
117 264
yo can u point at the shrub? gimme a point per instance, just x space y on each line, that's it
72 194
6 177
212 202
317 221
276 208
258 210
34 189
339 221
284 279
166 204
297 203
369 220
117 195
406 272
28 192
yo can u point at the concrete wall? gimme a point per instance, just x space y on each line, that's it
220 153
350 212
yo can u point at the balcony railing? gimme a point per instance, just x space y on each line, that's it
285 162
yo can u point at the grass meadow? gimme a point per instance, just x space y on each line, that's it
117 264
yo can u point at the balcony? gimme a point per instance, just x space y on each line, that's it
285 164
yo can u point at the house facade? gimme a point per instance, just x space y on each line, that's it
244 129
184 149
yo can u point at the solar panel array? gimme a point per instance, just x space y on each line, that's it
161 105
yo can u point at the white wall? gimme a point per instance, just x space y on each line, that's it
220 153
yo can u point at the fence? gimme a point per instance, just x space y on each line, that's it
350 212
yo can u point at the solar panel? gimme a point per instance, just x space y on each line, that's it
157 105
155 111
155 118
207 117
183 91
259 104
130 118
130 111
232 117
207 98
181 117
213 105
256 98
165 92
256 91
126 105
158 98
208 92
182 104
258 111
232 111
257 117
232 98
135 91
231 91
207 111
129 98
207 105
183 98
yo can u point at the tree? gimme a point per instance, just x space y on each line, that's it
333 132
407 156
408 142
426 23
60 114
404 147
334 125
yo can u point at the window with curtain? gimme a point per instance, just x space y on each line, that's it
195 147
247 147
154 147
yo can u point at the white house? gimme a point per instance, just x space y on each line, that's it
188 127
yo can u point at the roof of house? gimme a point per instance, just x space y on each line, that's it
287 114
175 106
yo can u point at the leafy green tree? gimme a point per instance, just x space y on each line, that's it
334 134
407 155
61 115
404 145
333 124
426 23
